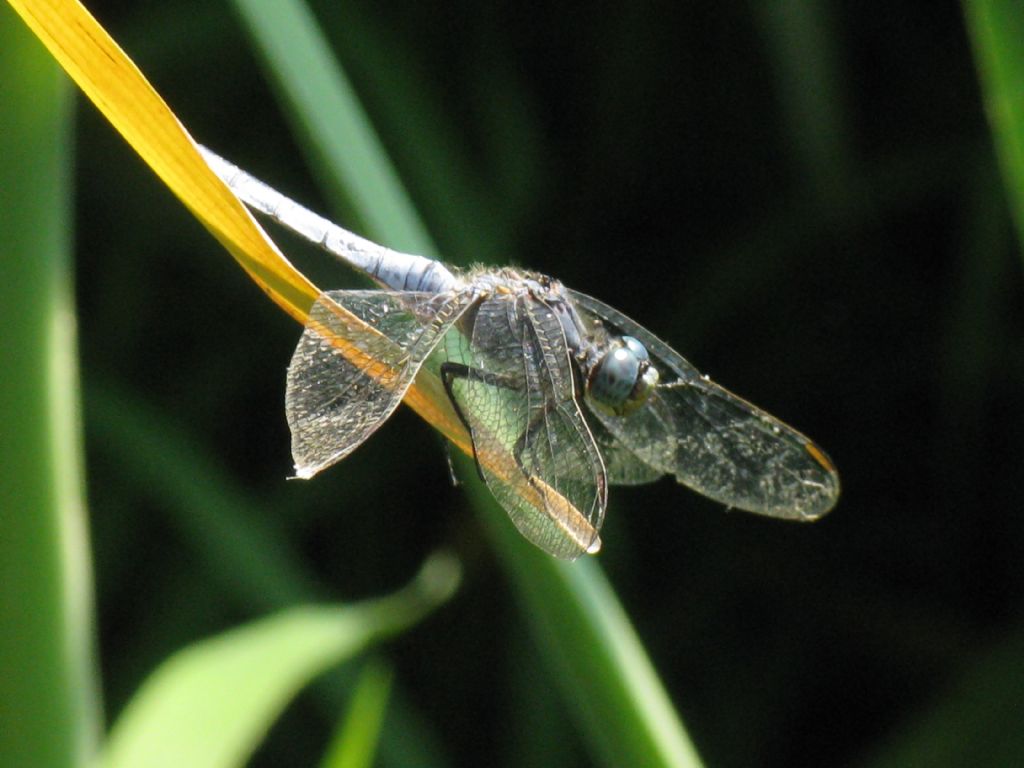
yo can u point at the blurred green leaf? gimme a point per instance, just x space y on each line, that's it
209 705
49 708
356 740
997 34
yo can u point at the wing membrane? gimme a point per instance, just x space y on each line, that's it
358 355
713 441
535 451
622 465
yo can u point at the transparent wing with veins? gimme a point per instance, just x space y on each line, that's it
622 465
713 441
533 445
358 355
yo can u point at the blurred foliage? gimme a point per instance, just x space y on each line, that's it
354 743
50 712
210 704
804 201
997 29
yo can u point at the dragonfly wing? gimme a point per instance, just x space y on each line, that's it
358 355
737 454
622 465
713 441
533 445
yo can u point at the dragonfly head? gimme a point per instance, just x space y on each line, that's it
622 379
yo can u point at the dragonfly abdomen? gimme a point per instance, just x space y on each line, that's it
407 272
398 271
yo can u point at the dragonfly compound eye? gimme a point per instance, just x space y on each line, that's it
622 379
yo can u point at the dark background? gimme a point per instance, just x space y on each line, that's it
802 200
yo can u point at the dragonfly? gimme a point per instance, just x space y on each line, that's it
561 394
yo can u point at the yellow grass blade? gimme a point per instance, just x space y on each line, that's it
116 86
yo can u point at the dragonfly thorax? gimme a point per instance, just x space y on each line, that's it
623 377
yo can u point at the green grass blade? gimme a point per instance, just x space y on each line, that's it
49 711
626 716
997 35
209 705
356 740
